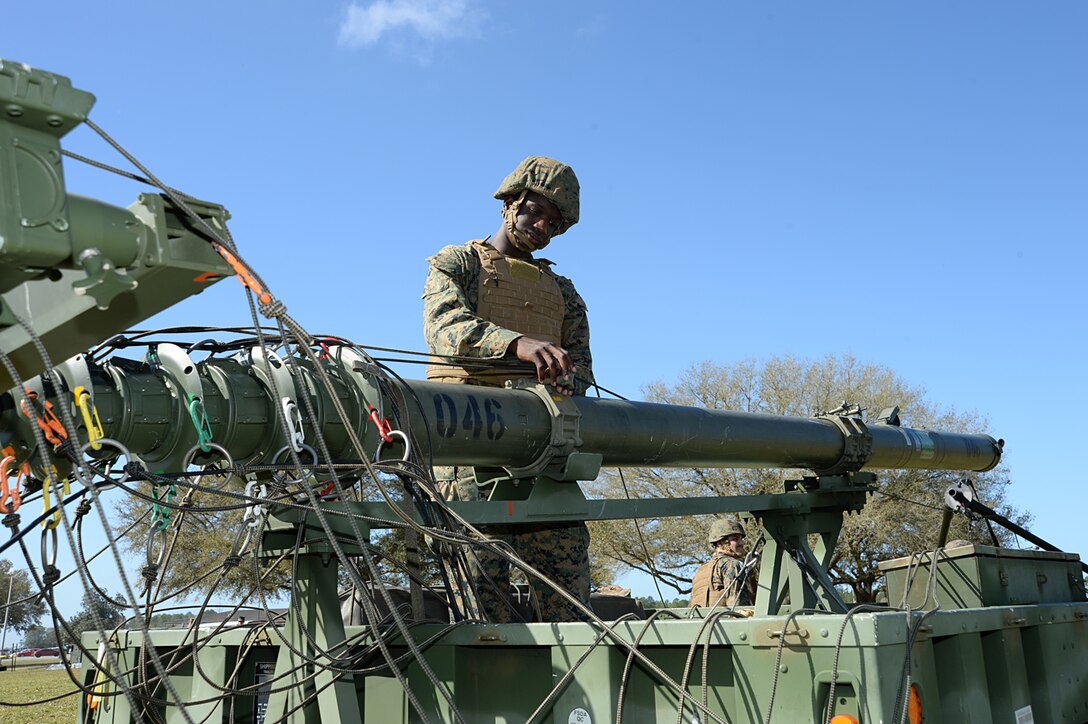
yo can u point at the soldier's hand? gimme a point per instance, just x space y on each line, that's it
553 363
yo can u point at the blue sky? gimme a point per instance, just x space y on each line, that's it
905 182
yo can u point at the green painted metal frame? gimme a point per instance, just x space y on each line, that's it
973 667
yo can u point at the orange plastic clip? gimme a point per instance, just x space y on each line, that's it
243 273
47 419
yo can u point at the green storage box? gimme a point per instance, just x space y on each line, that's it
973 576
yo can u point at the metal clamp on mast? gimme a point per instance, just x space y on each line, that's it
857 440
560 460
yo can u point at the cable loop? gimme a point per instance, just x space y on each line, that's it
50 572
150 572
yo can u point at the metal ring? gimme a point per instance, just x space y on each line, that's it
404 439
124 453
48 562
188 459
282 477
150 546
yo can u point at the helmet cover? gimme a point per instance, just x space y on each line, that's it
551 179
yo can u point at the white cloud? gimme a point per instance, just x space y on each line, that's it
429 19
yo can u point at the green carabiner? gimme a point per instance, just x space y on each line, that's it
160 511
200 422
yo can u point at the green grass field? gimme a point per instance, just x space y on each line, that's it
28 683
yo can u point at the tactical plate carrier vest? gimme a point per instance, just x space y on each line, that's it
514 294
700 584
706 591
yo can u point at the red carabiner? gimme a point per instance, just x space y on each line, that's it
384 428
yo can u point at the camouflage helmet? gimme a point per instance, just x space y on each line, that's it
722 528
551 179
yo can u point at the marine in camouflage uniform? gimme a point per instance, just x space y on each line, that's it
722 581
493 307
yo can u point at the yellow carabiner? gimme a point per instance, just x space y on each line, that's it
90 417
66 488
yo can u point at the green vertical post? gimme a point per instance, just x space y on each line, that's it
314 627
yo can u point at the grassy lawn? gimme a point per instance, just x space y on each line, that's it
30 682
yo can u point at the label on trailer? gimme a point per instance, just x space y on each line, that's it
1023 716
264 672
579 716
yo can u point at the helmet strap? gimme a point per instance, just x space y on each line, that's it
521 242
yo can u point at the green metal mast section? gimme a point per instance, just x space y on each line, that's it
76 270
537 444
544 443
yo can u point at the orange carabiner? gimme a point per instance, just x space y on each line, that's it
52 428
7 492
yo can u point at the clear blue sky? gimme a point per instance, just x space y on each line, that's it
906 182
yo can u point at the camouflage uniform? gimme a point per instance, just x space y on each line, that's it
451 326
717 574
